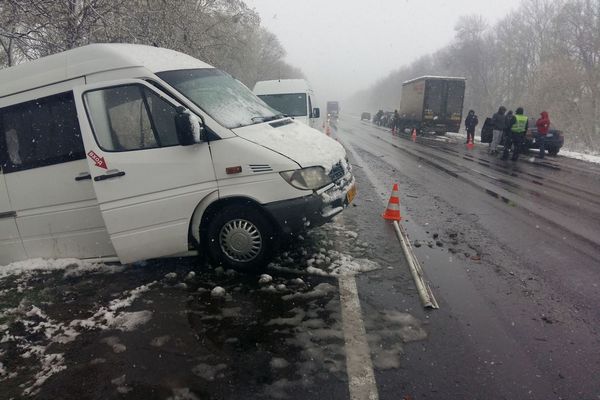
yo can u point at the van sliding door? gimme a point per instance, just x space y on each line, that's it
47 177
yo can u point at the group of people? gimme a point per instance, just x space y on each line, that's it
513 127
387 119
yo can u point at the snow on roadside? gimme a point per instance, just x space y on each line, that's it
593 158
580 156
315 255
72 266
110 317
41 332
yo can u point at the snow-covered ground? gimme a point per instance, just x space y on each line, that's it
71 266
593 158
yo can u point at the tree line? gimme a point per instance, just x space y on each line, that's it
544 55
224 33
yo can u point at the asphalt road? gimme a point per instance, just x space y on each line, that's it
511 252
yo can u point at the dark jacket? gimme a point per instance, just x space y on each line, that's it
471 122
499 120
543 124
508 121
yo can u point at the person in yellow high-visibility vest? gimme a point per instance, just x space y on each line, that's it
518 128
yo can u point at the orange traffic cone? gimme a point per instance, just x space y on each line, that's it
414 135
470 144
392 212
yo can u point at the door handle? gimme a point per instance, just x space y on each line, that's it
83 176
8 214
109 176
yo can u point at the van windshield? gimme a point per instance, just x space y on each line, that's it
222 97
292 104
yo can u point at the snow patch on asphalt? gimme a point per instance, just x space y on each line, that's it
160 341
41 333
593 158
183 394
72 267
209 372
218 292
388 331
315 255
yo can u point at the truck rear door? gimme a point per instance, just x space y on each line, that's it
433 110
455 90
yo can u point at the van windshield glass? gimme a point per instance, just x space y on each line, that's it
292 104
222 97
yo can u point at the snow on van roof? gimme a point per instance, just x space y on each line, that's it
90 59
278 86
457 78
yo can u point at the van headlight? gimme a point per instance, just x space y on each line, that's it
311 178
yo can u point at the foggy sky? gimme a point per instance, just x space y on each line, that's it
346 45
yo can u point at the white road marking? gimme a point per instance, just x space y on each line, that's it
361 378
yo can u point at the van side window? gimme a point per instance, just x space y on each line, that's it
131 117
38 133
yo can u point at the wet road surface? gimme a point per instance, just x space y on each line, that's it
511 251
513 263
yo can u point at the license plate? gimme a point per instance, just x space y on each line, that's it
351 194
549 134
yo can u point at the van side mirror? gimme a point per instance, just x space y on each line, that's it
316 112
189 127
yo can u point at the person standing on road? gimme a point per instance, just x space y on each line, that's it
543 125
498 122
506 134
395 121
470 123
518 128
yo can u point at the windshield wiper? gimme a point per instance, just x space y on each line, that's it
267 119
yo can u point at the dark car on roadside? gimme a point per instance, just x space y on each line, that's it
487 130
553 140
365 116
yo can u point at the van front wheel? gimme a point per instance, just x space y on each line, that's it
240 237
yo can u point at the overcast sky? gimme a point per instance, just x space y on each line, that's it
346 45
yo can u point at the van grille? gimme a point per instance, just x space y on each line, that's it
337 171
260 168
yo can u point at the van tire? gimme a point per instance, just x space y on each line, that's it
240 237
553 150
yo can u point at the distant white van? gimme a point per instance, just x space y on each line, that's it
128 152
292 97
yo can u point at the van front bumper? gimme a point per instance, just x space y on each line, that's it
296 215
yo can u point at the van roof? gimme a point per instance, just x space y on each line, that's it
88 60
279 86
453 78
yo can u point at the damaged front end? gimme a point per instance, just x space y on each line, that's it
320 206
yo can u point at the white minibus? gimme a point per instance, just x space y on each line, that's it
292 97
130 152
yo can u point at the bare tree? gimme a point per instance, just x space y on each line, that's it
544 56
